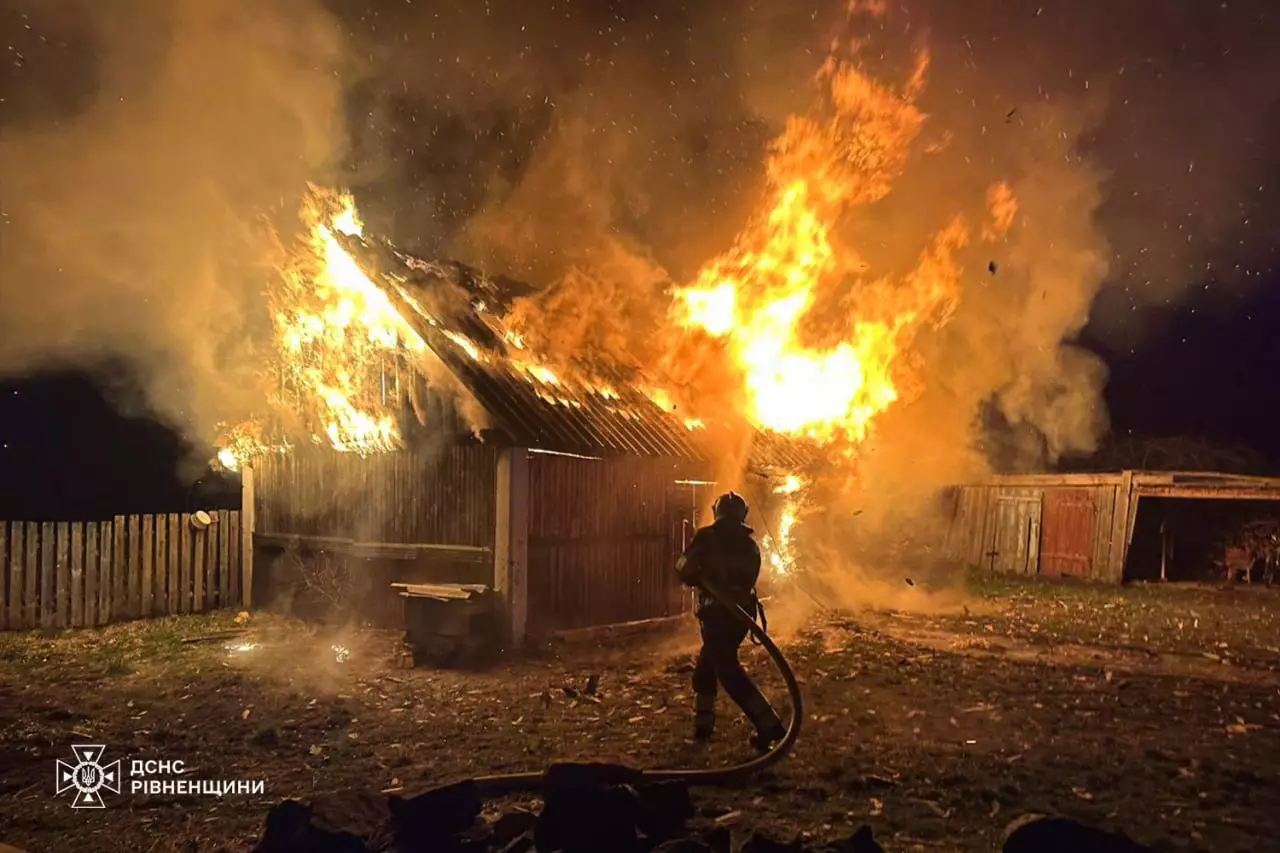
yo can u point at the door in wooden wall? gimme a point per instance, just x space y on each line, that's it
1069 518
1016 534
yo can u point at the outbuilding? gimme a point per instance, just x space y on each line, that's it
572 504
1110 527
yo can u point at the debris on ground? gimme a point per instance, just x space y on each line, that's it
933 727
588 808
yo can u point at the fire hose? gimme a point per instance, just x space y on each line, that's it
510 783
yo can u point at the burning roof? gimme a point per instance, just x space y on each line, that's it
788 332
594 409
352 311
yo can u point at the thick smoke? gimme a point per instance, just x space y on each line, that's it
141 145
606 152
603 148
1092 133
1122 200
1176 108
1023 298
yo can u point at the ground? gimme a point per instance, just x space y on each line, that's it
1149 709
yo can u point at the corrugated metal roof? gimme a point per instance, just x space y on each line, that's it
771 450
607 414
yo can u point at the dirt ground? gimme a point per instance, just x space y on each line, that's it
1149 709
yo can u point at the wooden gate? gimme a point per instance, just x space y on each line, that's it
1067 547
1016 532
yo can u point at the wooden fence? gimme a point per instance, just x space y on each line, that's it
78 574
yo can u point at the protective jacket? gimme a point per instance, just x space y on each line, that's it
726 554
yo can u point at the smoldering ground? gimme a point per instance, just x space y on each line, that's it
144 146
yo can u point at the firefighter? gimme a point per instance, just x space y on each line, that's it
726 554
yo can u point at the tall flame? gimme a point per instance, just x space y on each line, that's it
780 544
338 331
808 364
757 297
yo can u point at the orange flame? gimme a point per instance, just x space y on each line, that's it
780 548
336 333
760 301
1004 208
757 297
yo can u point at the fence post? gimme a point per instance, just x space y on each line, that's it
18 583
225 598
246 536
32 570
62 544
91 578
76 559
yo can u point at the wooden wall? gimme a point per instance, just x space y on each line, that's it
1068 528
604 536
442 497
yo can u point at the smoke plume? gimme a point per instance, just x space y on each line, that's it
616 150
634 150
141 145
610 150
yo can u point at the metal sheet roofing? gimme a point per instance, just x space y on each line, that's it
607 414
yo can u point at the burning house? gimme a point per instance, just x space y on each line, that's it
485 470
465 457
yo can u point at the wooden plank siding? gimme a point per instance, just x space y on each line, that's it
84 574
1102 508
1077 527
1070 529
444 497
425 514
604 536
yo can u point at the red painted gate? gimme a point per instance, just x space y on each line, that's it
1067 530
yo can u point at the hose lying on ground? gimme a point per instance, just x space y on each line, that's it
509 783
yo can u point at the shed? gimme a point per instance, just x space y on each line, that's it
573 505
1083 525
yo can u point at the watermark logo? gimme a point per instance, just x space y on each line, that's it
88 776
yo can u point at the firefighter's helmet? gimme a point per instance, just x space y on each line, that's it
730 507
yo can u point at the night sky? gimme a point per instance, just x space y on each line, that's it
1205 373
1186 144
71 450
